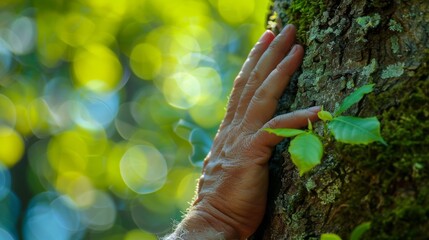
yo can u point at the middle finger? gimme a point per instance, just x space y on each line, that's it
277 50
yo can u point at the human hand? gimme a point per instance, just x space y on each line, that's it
232 191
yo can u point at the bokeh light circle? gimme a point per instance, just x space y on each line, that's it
139 235
182 90
21 36
95 109
97 68
12 146
146 61
143 169
237 11
101 213
50 216
40 118
75 29
8 111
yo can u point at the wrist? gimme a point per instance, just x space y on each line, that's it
205 223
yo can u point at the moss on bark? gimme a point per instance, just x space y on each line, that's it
388 186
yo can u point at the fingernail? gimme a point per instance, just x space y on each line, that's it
286 28
265 36
314 109
295 47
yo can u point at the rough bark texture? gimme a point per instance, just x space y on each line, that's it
350 43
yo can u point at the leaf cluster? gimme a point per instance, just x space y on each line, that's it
306 148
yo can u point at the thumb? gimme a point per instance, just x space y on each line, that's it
295 119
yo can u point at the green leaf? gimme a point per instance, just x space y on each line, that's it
330 236
353 98
284 132
324 115
356 130
306 151
360 230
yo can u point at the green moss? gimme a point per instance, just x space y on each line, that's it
367 22
330 194
301 13
370 68
390 186
395 26
394 44
310 185
394 70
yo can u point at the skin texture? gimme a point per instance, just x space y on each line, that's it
232 190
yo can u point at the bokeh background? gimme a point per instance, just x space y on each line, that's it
107 109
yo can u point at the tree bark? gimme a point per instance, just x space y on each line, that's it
350 43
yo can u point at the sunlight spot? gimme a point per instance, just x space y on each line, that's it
146 61
68 152
50 217
97 68
40 118
74 184
74 29
186 190
236 12
101 213
12 146
210 84
143 169
182 90
216 111
21 36
139 235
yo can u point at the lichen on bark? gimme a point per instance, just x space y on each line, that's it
388 186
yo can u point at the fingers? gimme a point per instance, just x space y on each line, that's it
277 50
241 80
264 102
296 119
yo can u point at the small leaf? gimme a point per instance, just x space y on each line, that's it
284 132
353 98
324 115
310 125
360 230
306 151
330 236
356 130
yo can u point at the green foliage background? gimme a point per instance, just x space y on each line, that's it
108 107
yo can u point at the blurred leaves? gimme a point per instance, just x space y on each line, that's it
90 92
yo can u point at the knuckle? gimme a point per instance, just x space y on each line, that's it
255 75
274 45
257 50
282 67
261 94
273 123
239 82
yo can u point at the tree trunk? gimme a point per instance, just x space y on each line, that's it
350 43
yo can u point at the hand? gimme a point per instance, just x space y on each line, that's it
232 191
